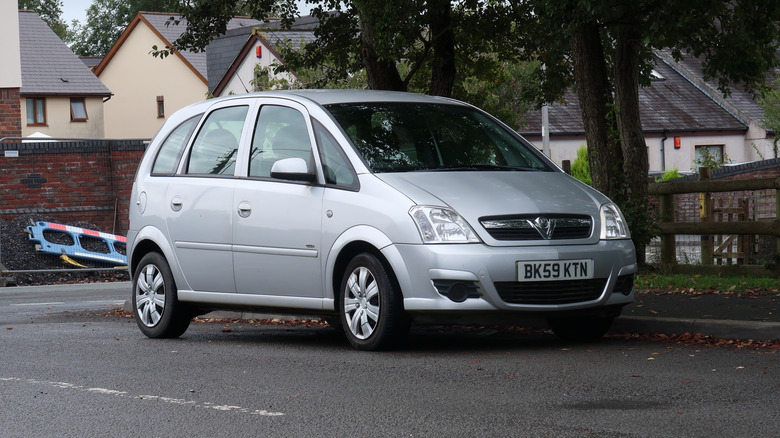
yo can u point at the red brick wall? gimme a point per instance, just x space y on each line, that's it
10 113
70 181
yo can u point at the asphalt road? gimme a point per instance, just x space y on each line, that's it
69 369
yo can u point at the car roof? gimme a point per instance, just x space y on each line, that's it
328 97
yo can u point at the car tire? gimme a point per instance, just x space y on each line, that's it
371 306
581 328
158 312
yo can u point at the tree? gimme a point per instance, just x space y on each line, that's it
606 49
397 41
107 19
771 105
50 11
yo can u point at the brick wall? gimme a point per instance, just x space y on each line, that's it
70 181
10 113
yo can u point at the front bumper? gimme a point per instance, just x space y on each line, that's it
426 266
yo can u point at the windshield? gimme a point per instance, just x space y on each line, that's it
400 137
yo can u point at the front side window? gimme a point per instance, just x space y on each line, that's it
171 150
400 137
78 110
280 133
36 111
216 146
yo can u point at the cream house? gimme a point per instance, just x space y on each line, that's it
238 58
59 96
146 89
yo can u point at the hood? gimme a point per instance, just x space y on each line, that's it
494 193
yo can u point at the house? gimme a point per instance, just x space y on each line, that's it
232 58
59 97
684 120
147 88
11 73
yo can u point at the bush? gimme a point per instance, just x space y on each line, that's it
580 168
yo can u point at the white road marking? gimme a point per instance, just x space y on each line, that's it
39 304
115 393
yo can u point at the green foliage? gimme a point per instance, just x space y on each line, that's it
107 19
770 103
580 168
709 159
50 11
670 175
686 283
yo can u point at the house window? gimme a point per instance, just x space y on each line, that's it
36 111
78 109
160 106
711 156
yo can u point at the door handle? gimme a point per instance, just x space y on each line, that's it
176 203
244 209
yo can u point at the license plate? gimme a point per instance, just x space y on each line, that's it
555 270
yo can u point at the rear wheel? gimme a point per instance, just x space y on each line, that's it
580 328
371 307
158 312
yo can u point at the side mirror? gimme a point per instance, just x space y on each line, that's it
293 169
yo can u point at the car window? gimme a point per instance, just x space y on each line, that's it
280 132
170 152
216 146
399 137
335 165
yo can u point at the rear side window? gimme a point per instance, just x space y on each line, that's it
171 150
216 146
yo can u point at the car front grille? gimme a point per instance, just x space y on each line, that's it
550 292
538 227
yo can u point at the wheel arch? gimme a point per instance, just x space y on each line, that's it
364 239
151 239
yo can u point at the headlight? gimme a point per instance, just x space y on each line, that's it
441 225
613 224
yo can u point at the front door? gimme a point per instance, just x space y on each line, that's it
277 223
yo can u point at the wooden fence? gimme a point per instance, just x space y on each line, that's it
665 192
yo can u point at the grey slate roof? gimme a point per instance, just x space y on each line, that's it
671 104
222 52
741 103
172 31
46 61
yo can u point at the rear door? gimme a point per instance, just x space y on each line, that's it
200 199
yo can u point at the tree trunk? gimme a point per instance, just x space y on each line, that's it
590 72
381 73
443 43
635 162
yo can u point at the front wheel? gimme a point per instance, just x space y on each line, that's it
158 312
580 328
371 307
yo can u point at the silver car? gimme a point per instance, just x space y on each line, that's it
373 210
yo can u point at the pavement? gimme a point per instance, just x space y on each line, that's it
720 315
